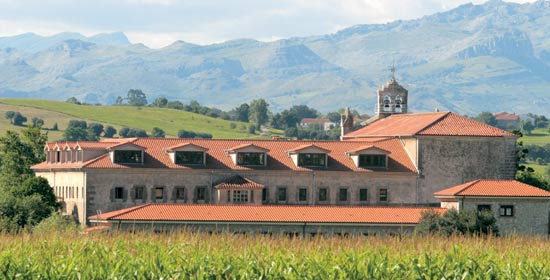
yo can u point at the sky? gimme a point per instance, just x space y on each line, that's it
158 23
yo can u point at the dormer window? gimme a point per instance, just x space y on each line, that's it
187 154
79 155
367 161
250 159
189 157
248 155
68 156
309 156
128 156
58 156
314 160
369 157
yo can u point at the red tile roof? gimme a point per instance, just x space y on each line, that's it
368 147
155 155
238 182
495 188
303 147
268 213
505 116
437 124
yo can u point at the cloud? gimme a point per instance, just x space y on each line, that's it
159 22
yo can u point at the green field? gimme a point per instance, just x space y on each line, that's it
170 120
538 137
226 256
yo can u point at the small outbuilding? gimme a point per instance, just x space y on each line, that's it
519 208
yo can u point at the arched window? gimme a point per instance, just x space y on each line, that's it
398 102
387 101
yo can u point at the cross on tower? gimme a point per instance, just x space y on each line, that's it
393 70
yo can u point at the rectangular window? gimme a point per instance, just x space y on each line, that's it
159 192
383 195
363 195
507 210
58 156
228 196
119 193
139 192
180 193
68 157
201 193
240 196
323 194
79 155
318 160
251 158
302 194
128 157
264 194
281 194
185 157
343 195
372 160
483 207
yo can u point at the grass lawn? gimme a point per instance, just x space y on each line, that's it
170 120
538 137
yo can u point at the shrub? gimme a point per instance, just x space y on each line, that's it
232 125
56 223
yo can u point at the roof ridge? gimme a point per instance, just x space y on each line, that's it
434 122
130 210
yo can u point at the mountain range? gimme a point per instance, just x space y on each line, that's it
489 57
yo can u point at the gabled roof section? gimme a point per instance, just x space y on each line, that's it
308 147
183 146
436 124
156 157
239 182
246 146
131 142
363 149
267 213
494 188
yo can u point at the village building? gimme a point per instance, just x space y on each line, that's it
399 160
507 120
323 123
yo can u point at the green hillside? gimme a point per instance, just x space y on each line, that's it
170 120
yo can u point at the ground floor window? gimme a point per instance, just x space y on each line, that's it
159 192
302 194
383 195
483 207
363 195
200 194
139 192
264 195
240 196
507 210
180 193
323 194
343 195
281 194
119 193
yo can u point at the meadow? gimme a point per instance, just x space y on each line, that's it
184 255
170 120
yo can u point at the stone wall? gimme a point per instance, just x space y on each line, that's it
531 215
449 161
100 184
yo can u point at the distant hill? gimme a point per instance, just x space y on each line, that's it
490 57
170 120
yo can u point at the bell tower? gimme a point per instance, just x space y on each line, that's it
392 98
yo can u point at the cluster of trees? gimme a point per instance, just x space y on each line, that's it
182 133
538 154
79 130
25 200
452 222
16 118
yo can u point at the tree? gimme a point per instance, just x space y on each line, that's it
79 134
251 129
18 119
258 113
303 111
17 158
40 186
136 97
526 126
487 117
334 117
182 133
77 123
160 102
73 100
123 132
37 121
34 137
9 115
109 131
96 129
54 127
242 112
175 105
157 132
119 100
466 222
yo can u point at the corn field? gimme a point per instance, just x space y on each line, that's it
185 255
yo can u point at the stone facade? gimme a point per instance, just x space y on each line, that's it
530 216
444 162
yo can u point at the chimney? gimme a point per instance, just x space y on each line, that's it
346 123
